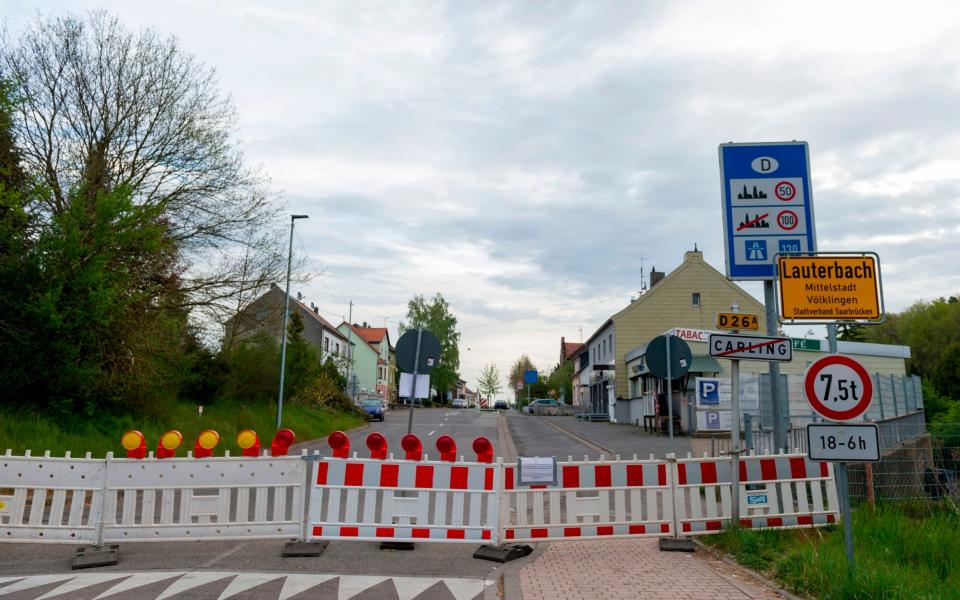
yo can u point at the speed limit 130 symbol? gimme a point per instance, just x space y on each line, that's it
838 387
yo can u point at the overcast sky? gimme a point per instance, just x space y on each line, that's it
523 158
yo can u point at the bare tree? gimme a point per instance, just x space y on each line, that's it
103 107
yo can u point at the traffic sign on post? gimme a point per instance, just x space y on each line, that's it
845 442
767 206
838 387
751 347
737 321
830 287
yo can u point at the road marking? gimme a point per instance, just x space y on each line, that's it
431 433
181 584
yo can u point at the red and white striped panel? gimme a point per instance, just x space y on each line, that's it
591 500
401 500
796 491
359 473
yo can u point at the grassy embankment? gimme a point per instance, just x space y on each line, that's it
902 550
25 431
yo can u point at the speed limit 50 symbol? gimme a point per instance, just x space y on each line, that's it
838 387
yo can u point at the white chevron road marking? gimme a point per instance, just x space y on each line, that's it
351 586
246 581
179 582
83 581
34 581
191 580
138 580
300 583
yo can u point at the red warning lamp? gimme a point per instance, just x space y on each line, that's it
447 448
249 442
206 442
377 445
339 443
412 446
282 441
168 443
134 444
484 449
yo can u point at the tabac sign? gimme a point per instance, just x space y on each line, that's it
830 288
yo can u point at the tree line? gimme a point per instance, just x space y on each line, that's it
131 228
932 331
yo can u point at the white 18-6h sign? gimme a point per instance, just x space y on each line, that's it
838 387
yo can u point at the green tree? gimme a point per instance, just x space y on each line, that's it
435 316
489 383
515 379
560 381
302 363
252 368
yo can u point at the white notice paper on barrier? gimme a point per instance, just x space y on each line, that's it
406 385
537 470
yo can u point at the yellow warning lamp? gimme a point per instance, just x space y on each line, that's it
134 443
168 444
206 442
249 442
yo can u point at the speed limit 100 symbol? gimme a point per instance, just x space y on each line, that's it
838 387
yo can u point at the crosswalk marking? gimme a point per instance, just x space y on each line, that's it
179 584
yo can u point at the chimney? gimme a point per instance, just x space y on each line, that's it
655 277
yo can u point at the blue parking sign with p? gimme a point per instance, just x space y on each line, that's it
709 392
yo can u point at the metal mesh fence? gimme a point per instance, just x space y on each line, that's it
917 462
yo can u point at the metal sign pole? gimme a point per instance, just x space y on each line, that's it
735 436
779 431
669 394
413 391
843 482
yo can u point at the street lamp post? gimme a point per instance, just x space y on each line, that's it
286 316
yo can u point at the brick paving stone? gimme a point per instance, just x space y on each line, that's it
622 569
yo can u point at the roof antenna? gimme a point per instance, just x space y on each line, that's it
643 283
695 247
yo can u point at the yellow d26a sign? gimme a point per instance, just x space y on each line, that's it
741 321
830 288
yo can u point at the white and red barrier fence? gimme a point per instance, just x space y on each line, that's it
344 497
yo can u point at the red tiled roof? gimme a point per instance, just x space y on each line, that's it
357 331
570 349
372 335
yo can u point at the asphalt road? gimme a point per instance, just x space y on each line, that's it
463 425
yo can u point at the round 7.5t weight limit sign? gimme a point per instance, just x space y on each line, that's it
838 387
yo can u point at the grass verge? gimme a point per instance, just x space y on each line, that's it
22 430
902 550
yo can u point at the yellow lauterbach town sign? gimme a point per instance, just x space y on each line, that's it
830 288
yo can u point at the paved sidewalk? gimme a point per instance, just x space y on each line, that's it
625 569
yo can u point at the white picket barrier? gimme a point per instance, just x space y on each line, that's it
403 500
776 491
50 499
98 501
208 498
592 499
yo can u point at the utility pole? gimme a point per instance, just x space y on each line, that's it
350 365
286 316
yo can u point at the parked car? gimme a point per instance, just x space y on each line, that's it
374 408
500 405
529 409
458 403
